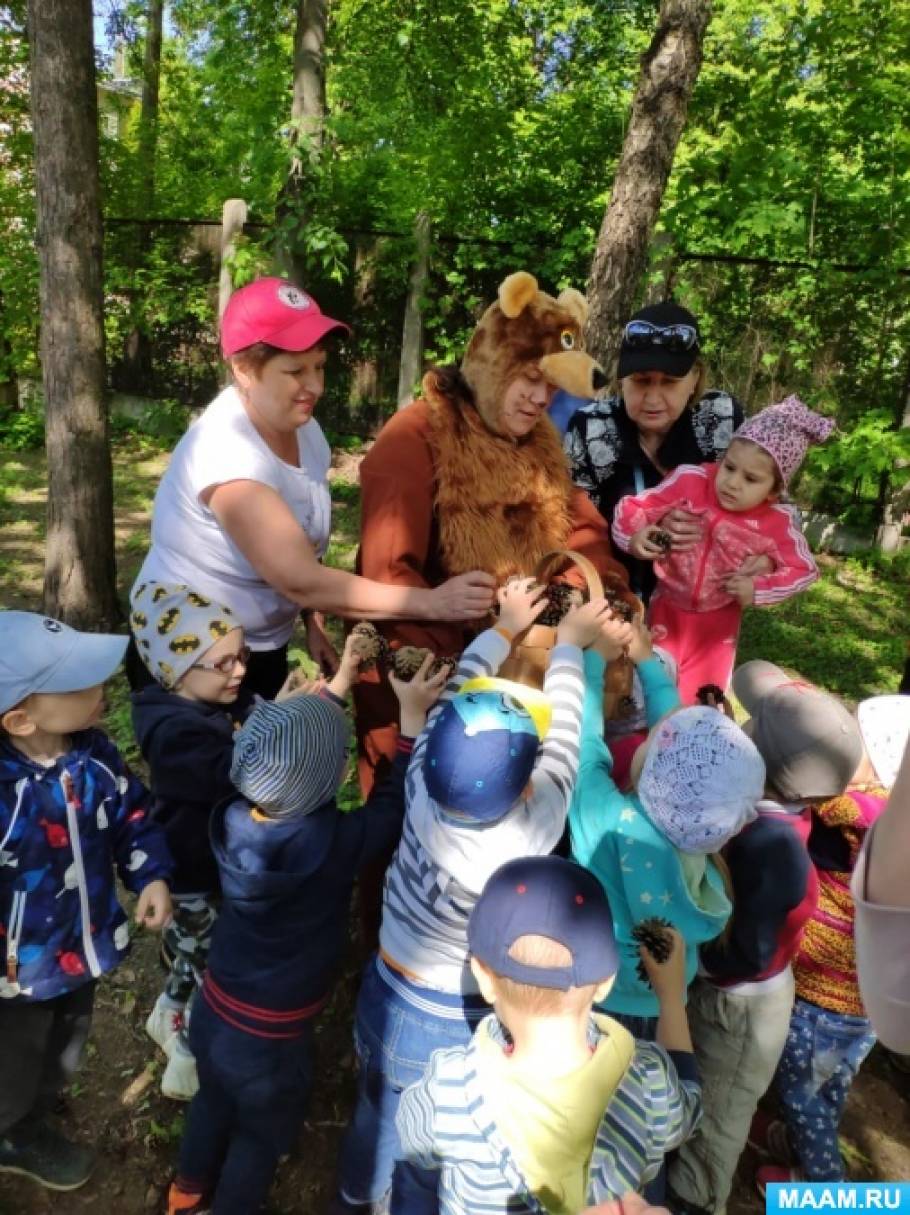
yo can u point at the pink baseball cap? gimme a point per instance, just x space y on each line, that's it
275 311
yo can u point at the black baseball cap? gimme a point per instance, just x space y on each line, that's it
551 897
659 355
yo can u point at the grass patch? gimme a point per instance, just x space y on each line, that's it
847 633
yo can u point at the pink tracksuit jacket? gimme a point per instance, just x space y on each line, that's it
694 580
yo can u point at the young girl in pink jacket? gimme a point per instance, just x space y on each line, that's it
696 611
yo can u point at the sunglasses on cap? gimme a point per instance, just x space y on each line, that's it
640 334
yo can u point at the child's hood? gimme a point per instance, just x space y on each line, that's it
263 861
701 779
153 705
14 766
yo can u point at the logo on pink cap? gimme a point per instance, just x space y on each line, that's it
294 297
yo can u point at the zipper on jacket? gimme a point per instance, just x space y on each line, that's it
14 932
72 805
705 553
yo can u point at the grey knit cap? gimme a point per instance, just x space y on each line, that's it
289 758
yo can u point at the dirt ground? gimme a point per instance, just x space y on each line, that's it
116 1104
137 1142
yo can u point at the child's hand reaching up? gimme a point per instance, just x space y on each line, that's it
521 601
640 647
348 667
614 639
153 907
581 625
417 695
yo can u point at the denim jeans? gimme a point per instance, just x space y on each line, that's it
397 1026
823 1052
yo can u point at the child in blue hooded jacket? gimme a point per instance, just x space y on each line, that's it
71 813
696 779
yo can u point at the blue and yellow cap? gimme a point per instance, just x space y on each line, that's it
483 746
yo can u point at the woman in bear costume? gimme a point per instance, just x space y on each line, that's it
472 476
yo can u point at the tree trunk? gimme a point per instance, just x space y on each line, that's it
148 115
79 572
9 386
308 107
669 69
364 388
411 363
894 507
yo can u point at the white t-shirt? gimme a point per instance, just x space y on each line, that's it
188 543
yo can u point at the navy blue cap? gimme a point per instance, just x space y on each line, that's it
480 754
545 896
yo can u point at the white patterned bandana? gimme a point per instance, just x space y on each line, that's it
884 722
701 779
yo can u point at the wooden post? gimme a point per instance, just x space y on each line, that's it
233 217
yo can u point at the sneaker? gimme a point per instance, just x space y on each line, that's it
770 1173
768 1136
44 1155
186 1202
180 1081
164 1023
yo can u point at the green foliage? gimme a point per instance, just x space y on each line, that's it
851 468
22 429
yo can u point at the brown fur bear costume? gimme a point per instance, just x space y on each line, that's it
445 491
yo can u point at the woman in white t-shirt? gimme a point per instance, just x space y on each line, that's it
243 513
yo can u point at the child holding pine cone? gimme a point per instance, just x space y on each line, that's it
703 585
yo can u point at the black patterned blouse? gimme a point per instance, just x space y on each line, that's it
607 460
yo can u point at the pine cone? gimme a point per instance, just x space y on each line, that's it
407 661
619 607
371 646
662 539
559 599
653 934
450 661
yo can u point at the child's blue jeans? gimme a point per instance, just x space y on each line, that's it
823 1053
398 1025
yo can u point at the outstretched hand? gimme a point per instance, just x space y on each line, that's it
417 695
521 601
581 625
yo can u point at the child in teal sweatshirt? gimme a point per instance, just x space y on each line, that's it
696 779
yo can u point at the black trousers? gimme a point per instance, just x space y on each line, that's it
41 1047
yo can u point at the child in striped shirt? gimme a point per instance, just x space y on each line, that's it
481 789
551 1106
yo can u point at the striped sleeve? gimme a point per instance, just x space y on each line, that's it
484 656
795 567
415 1120
653 1111
556 768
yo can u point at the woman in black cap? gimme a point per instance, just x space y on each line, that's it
660 417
